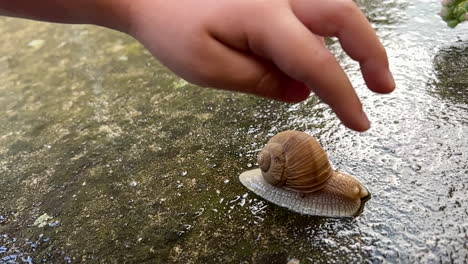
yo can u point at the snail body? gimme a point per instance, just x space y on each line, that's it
295 173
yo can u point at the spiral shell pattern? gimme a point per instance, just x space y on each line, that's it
296 161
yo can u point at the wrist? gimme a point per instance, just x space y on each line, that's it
114 14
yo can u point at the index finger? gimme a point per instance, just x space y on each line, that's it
303 57
343 19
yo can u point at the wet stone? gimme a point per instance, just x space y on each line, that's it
96 133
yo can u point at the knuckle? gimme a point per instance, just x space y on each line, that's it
322 61
343 11
346 6
324 58
264 82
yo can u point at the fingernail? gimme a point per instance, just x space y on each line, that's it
364 121
390 81
356 121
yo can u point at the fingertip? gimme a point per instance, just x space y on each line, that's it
364 123
390 81
385 84
378 79
358 122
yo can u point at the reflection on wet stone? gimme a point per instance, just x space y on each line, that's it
383 13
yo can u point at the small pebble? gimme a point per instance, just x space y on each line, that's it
37 43
294 261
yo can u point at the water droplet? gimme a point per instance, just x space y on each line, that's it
235 199
179 184
54 224
199 212
242 202
3 249
27 259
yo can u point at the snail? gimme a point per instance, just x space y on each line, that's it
295 173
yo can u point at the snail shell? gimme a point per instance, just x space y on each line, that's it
295 173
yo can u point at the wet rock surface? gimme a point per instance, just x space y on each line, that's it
107 157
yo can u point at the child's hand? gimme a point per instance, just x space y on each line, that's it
270 48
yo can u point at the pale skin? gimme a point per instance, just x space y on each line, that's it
270 48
